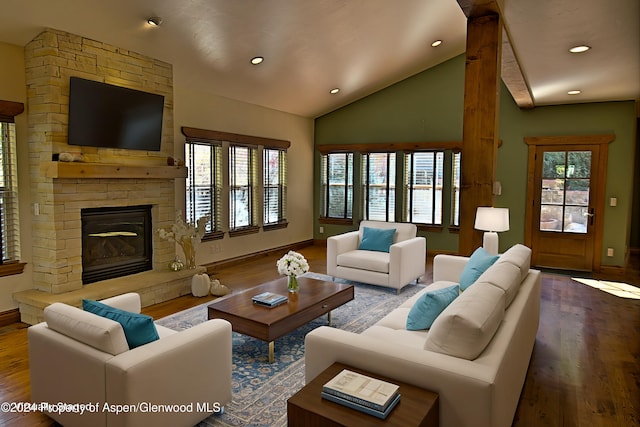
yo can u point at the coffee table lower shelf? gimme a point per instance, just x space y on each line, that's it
306 408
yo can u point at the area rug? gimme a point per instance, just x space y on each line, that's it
260 388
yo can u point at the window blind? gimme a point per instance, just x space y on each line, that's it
9 217
423 187
275 186
204 184
379 186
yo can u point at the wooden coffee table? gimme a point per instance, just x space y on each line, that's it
315 298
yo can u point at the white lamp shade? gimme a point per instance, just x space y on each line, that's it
492 219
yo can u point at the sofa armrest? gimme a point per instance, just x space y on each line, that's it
455 380
128 302
407 261
337 245
448 267
190 367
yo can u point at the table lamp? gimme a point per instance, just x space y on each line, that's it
491 220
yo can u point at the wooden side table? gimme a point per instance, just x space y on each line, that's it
306 408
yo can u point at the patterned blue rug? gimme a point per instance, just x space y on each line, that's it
260 388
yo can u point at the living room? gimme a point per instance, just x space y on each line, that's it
430 104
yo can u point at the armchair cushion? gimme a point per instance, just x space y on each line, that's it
139 329
377 239
365 260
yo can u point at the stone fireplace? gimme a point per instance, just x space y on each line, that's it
114 178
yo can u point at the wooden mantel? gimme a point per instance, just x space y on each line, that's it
108 170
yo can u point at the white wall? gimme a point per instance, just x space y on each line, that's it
205 111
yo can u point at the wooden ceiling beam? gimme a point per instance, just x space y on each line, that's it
511 72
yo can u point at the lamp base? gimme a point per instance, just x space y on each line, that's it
490 242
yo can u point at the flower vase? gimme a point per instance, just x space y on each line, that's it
293 285
189 252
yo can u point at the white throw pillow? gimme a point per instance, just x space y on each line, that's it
467 325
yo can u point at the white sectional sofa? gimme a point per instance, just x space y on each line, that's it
476 353
403 262
77 357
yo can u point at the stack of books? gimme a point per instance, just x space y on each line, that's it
369 395
268 299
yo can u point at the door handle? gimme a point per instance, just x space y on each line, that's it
590 214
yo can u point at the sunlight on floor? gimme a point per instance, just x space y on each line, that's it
622 290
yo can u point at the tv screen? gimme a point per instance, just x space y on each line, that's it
104 115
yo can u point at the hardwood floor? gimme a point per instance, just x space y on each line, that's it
584 370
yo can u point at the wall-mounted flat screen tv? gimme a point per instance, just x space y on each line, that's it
104 115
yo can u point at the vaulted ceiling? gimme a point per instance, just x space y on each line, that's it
358 46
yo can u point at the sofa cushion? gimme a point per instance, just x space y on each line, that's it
365 260
504 275
377 239
520 256
468 324
139 329
479 261
98 332
429 306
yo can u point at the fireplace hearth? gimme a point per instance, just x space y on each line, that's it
116 242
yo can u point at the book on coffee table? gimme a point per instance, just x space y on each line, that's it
362 390
364 409
269 299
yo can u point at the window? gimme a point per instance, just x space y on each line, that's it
204 184
423 181
209 183
337 185
379 189
242 187
9 237
274 168
455 189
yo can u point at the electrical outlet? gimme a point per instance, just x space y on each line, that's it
609 251
321 230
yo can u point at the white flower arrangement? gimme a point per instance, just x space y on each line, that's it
187 235
181 230
292 264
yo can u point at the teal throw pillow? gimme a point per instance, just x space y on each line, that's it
429 306
139 329
377 239
479 261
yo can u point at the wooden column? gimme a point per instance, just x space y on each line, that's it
480 128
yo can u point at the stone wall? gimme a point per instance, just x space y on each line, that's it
51 59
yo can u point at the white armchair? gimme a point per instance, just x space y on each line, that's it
77 357
404 262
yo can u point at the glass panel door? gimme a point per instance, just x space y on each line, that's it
564 196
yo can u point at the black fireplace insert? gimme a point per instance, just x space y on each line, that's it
116 242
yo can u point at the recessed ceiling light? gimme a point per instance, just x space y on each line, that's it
436 43
154 21
257 60
334 90
580 48
574 92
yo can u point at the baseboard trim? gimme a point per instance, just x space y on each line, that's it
9 317
211 267
612 270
